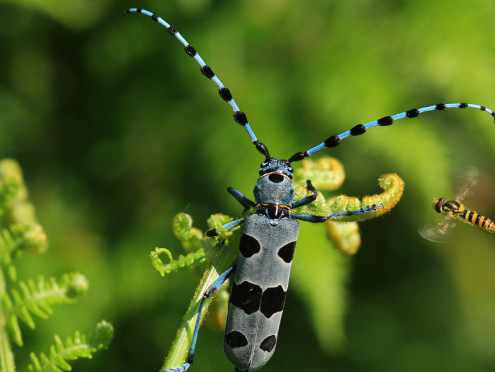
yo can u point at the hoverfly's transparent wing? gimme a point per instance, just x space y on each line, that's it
438 232
467 181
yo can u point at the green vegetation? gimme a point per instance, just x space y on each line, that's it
23 300
117 132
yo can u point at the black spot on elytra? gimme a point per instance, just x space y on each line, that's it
286 253
268 343
236 339
246 296
272 301
249 246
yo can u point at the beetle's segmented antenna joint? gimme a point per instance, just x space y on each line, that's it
359 129
239 116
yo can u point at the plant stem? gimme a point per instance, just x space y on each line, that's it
7 363
178 352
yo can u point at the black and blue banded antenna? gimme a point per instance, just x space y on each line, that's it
359 129
224 92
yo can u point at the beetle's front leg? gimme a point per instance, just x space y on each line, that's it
307 199
316 219
241 198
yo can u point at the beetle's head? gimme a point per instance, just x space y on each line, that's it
275 183
274 165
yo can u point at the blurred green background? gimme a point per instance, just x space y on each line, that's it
117 131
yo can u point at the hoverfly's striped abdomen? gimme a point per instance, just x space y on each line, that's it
258 290
474 218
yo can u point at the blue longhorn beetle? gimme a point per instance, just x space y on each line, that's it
261 272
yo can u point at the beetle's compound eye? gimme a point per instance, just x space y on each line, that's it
276 177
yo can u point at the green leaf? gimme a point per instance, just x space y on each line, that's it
37 298
183 261
74 347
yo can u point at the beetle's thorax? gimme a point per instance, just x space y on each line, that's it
274 190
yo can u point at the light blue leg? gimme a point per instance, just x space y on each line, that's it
229 225
213 288
315 219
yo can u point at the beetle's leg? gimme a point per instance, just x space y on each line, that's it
241 198
228 226
307 199
313 218
213 288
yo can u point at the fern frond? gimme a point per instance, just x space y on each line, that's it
191 238
345 236
75 347
19 238
37 298
326 173
164 268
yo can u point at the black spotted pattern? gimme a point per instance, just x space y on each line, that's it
386 120
412 113
272 301
358 129
207 71
298 156
463 105
286 253
249 246
225 94
268 343
190 50
246 296
440 106
235 339
332 141
172 30
240 118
